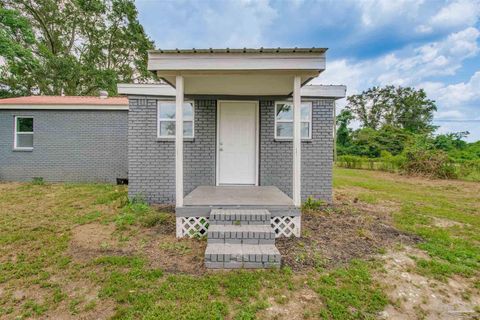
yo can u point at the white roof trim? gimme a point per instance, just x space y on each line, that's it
165 90
62 107
244 60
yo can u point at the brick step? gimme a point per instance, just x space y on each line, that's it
235 256
238 234
240 217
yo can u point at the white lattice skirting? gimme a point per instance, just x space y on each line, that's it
285 226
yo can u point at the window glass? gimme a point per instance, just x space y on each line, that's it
167 111
24 124
284 129
305 128
284 112
305 111
167 128
284 120
166 119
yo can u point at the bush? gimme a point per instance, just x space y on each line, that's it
430 163
38 181
312 204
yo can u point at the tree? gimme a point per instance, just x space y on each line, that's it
401 107
80 47
343 131
16 35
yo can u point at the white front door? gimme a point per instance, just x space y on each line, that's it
237 142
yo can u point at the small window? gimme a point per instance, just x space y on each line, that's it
166 119
23 133
284 120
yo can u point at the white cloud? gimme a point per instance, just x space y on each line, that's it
413 68
405 67
458 13
379 12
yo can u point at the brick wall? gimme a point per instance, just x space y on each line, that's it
276 158
152 162
75 146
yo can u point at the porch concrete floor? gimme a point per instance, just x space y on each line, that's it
237 195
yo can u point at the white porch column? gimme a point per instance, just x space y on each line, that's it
179 141
297 144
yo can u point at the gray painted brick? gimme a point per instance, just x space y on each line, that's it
69 145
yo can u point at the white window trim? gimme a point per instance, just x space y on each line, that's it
173 120
15 133
291 121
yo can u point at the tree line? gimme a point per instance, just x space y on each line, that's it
396 133
72 47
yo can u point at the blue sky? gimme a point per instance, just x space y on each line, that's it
428 44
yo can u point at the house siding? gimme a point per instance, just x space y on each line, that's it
74 146
276 157
152 162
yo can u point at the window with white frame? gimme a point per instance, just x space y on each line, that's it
23 139
166 119
284 120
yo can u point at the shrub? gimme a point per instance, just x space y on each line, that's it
430 163
154 218
38 181
312 204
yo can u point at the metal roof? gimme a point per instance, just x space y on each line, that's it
239 50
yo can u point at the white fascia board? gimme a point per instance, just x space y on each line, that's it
164 90
63 107
324 91
234 62
146 89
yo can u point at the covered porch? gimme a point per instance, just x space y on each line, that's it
237 79
197 205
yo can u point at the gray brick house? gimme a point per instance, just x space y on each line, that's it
254 134
63 138
236 139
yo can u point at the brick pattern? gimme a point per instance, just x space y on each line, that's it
241 239
151 163
276 159
73 146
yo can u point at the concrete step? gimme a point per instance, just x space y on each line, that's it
241 234
239 216
235 256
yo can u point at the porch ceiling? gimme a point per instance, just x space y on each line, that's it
238 72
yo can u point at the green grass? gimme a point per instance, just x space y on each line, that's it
36 223
454 248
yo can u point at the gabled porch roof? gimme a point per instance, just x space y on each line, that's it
249 72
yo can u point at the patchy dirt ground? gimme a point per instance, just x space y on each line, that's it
292 305
338 234
414 296
158 245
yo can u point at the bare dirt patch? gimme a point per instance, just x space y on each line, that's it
93 240
336 235
175 255
415 296
292 305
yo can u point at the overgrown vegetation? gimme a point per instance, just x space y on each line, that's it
118 275
396 134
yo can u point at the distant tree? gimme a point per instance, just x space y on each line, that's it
343 131
79 48
402 107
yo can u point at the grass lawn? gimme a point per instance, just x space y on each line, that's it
84 251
